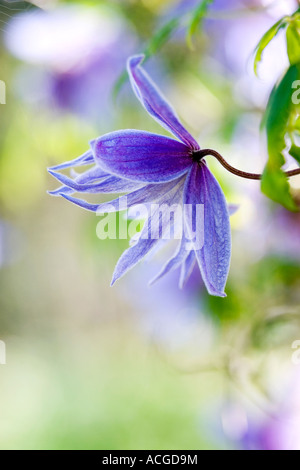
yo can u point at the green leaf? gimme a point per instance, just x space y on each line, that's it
297 122
279 110
275 185
154 45
295 152
197 16
161 37
293 42
266 39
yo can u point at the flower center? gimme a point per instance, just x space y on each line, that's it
198 155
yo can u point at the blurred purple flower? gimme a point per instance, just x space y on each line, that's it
250 430
81 51
281 432
161 170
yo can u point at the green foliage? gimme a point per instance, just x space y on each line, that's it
295 152
281 116
277 118
197 16
293 41
160 38
275 185
278 113
164 34
266 39
297 120
292 23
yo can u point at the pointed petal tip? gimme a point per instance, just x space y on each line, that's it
56 167
53 168
152 282
217 294
54 193
114 280
135 60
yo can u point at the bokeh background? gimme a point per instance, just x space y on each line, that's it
132 367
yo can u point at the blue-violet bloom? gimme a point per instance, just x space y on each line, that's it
158 169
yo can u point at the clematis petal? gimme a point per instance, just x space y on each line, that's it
131 257
174 262
187 269
146 195
142 156
112 184
85 159
214 258
155 103
94 174
79 202
151 234
90 176
60 191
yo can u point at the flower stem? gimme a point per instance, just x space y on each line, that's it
199 155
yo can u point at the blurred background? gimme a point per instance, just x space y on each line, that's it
133 367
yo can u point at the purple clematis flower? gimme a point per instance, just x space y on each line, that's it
161 170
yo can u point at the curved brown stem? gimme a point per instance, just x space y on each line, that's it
197 157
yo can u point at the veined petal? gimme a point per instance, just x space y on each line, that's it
90 176
146 195
111 184
79 202
155 103
94 174
131 257
142 156
174 262
187 269
214 258
151 234
85 159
